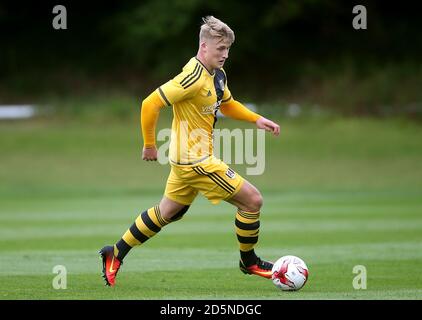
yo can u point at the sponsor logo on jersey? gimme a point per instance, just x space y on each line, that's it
211 109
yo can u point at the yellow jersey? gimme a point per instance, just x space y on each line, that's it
196 95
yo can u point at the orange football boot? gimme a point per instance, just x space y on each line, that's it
111 265
260 268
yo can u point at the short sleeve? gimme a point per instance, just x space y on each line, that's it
182 87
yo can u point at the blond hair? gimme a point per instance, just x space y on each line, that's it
215 28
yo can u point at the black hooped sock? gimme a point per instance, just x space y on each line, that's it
248 258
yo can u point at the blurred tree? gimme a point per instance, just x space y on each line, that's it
146 33
279 42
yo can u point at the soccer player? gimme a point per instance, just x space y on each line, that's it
196 94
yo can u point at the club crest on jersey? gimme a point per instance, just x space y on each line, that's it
230 173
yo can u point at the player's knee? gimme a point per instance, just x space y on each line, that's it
258 201
255 202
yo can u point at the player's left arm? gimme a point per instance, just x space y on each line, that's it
235 110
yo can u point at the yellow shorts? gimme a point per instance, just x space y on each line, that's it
211 177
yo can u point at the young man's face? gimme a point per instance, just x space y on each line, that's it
216 52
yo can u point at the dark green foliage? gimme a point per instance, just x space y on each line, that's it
283 49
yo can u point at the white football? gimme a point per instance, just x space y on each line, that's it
289 273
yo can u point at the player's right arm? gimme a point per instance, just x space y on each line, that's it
150 111
184 86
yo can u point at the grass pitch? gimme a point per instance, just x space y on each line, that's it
337 193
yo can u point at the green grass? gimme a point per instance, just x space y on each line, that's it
337 193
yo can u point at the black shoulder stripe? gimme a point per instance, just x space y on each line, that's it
194 80
164 96
199 70
190 75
